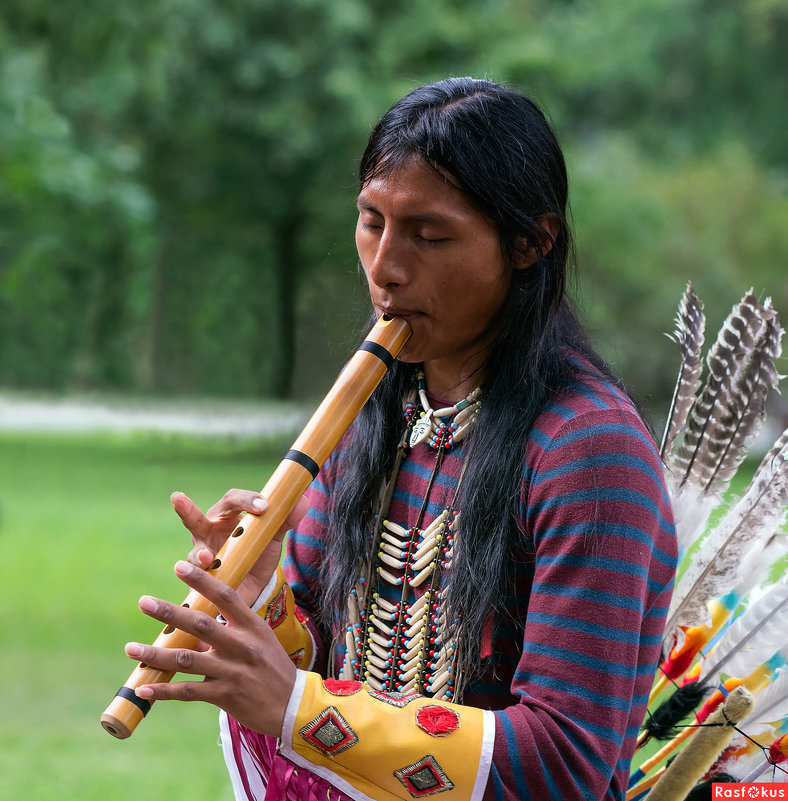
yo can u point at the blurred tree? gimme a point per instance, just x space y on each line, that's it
177 177
671 118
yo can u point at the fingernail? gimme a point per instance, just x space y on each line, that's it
134 650
183 568
148 604
261 504
143 692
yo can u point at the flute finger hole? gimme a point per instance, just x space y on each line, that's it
216 563
238 531
169 629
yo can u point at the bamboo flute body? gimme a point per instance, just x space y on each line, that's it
288 483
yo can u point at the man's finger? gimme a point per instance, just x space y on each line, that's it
189 513
201 626
223 597
173 660
177 691
235 501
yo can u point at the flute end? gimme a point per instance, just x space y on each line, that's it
123 714
115 727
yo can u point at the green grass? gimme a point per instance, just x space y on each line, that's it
86 528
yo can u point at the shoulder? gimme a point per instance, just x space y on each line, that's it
592 424
590 406
592 467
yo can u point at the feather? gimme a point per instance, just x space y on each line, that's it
709 423
662 724
771 706
754 522
745 405
688 335
741 413
755 636
767 491
763 507
707 435
726 415
728 411
760 558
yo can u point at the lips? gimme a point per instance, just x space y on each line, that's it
398 311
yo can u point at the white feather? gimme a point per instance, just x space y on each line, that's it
756 635
771 706
715 568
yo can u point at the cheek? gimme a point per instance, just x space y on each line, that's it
363 257
481 299
359 246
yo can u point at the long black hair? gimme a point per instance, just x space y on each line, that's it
497 147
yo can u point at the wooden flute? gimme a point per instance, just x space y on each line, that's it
300 466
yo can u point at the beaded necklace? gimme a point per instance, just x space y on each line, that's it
406 647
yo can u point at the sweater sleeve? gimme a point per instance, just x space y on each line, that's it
597 514
387 746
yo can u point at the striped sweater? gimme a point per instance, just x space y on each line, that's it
568 670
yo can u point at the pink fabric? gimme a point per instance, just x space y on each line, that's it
284 780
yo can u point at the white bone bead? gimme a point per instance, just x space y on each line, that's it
377 661
413 650
374 683
425 560
395 528
384 604
392 551
383 653
382 626
420 577
388 577
381 641
390 561
417 605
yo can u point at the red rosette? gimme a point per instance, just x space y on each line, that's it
437 720
342 687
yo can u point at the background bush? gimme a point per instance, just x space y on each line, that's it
177 178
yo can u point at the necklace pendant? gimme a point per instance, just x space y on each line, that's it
422 429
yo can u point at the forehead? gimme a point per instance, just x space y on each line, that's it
415 189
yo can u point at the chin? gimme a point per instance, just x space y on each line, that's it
410 357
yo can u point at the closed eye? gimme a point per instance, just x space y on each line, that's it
428 241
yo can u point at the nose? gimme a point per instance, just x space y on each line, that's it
384 261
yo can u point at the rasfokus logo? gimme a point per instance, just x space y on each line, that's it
755 790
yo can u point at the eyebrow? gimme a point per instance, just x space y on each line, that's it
423 218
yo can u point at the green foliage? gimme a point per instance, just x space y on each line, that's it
177 178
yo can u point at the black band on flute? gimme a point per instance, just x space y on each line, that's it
379 351
129 695
305 461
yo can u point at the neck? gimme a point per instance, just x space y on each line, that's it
449 383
